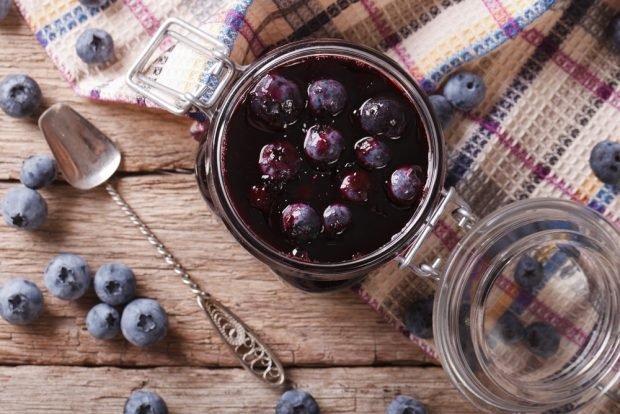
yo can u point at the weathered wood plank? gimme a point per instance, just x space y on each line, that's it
149 139
303 329
56 390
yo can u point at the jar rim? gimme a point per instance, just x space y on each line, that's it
450 299
436 165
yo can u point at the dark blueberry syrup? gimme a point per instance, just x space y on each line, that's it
373 222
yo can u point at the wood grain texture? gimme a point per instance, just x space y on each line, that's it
222 391
149 139
303 329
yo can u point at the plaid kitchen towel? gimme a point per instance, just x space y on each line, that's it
552 91
428 37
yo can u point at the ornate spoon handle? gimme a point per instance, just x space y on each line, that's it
254 355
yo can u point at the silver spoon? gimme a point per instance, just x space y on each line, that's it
87 159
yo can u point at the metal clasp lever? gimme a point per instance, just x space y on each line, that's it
178 102
460 211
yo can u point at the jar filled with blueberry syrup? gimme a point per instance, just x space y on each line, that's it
325 160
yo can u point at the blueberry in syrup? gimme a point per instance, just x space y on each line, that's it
383 117
372 153
326 97
300 222
337 218
405 185
261 198
323 144
333 183
355 186
279 162
276 101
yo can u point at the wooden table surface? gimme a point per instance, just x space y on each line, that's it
334 346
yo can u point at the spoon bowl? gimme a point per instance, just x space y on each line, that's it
86 157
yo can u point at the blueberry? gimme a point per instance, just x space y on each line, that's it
419 318
5 8
276 101
115 284
145 402
542 339
323 144
20 96
67 276
21 302
300 222
297 402
279 162
38 171
336 218
443 109
406 405
93 3
261 198
509 328
326 97
95 46
24 208
614 32
383 117
528 272
405 185
103 321
144 322
355 186
465 90
605 162
372 153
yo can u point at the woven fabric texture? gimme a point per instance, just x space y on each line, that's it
428 37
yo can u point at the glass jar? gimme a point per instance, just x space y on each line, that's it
566 348
313 276
577 301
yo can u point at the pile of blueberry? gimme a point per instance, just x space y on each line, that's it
463 91
541 338
24 208
298 401
143 322
20 95
291 402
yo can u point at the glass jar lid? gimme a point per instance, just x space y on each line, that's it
527 313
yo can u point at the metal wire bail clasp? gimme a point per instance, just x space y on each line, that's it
178 102
453 204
